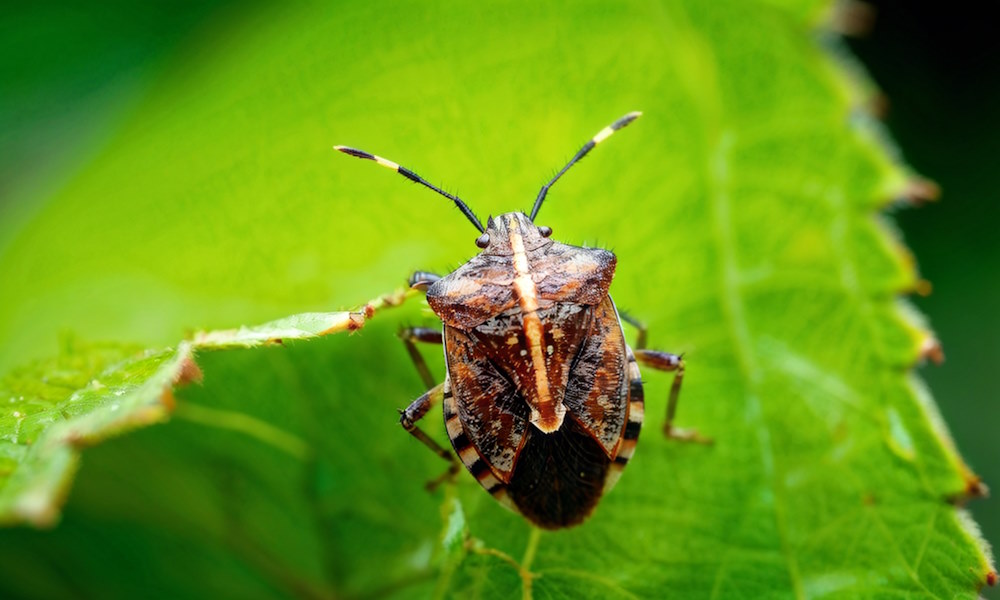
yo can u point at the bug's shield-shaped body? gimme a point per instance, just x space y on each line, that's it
543 401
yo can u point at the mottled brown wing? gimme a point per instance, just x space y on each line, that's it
479 289
502 339
492 413
597 390
570 274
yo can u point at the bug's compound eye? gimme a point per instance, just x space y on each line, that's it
483 240
545 231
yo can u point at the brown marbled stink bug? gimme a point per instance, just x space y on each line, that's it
543 400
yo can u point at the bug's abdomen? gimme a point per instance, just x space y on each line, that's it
560 476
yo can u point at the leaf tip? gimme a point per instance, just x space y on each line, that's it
37 508
919 191
923 288
973 488
188 371
851 18
930 349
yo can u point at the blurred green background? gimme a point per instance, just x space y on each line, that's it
72 77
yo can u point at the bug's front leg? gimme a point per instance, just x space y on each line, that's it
421 280
408 420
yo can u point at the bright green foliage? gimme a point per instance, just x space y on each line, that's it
742 208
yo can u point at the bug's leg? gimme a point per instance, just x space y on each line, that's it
421 280
640 340
665 361
410 337
408 420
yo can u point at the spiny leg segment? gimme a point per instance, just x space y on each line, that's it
597 139
408 420
410 337
664 361
462 206
642 332
421 280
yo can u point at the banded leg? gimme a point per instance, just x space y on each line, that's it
421 280
410 337
640 327
665 361
408 420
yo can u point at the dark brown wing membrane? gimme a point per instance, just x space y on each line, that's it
560 476
566 273
492 412
597 391
479 289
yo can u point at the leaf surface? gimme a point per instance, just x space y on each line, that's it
743 211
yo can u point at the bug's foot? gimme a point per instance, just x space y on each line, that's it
448 476
685 435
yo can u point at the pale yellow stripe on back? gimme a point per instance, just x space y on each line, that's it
545 414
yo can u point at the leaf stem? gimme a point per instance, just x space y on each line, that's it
529 557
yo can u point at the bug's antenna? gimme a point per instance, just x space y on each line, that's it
597 139
414 177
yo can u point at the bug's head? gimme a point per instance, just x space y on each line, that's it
506 231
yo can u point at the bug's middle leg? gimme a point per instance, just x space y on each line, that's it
408 420
410 337
421 280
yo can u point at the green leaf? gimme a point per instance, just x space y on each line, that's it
90 394
743 210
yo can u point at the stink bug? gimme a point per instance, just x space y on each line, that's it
543 401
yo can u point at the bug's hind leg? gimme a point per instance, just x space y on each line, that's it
640 327
408 420
665 361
